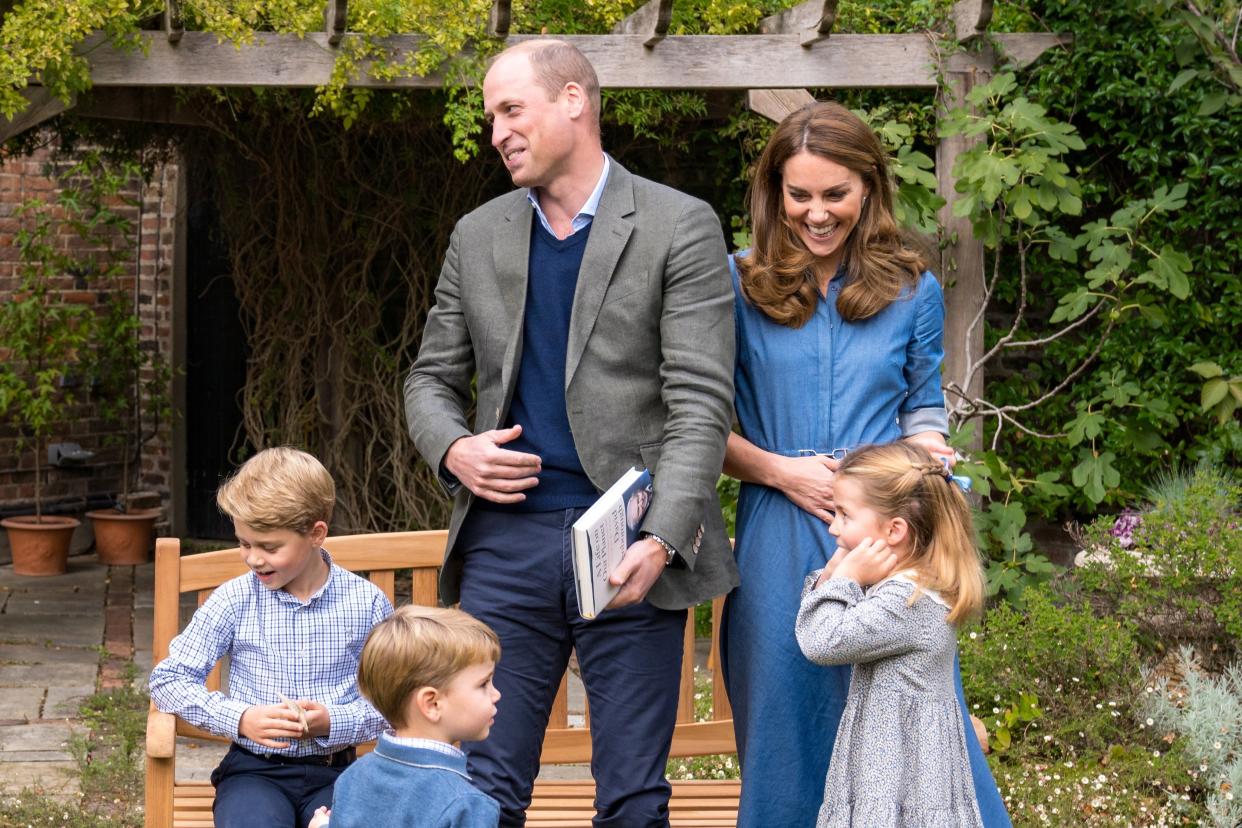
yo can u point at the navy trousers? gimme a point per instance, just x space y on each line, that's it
518 578
251 791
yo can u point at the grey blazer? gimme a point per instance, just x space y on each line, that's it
649 368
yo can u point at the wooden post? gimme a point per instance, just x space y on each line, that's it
961 260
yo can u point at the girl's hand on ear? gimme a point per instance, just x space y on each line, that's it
868 563
830 568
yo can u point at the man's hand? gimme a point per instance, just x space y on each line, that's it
807 481
321 817
491 472
269 724
318 722
868 563
934 442
640 566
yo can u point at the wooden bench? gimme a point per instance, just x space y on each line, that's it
556 804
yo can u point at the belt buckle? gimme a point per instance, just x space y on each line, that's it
835 454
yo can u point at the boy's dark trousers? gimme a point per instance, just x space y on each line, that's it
275 791
518 578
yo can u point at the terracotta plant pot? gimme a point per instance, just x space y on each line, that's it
123 538
40 548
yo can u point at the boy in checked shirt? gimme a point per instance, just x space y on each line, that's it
293 627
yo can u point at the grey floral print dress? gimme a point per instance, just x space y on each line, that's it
900 756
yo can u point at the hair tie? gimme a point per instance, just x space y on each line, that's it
942 470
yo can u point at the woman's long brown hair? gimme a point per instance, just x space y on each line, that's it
778 276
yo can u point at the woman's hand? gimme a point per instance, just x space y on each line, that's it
807 481
934 442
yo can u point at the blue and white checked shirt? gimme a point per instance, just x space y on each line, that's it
276 643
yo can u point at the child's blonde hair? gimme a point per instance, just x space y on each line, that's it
903 480
418 647
279 488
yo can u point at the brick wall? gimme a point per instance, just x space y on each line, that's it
72 490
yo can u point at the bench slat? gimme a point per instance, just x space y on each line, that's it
556 803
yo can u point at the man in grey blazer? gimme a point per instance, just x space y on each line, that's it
592 311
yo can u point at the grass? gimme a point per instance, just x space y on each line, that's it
109 768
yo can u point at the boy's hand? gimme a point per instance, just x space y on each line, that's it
318 722
830 568
320 819
868 563
269 724
296 708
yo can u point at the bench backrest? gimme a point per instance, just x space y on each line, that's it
380 556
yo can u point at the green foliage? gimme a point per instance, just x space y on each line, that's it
1207 712
42 330
38 40
126 377
1051 671
1176 567
110 755
1158 232
1138 786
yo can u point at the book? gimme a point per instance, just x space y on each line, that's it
602 535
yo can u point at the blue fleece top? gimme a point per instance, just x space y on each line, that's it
398 786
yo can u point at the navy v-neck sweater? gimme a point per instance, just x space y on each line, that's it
539 397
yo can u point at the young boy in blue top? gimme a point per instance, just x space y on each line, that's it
293 628
429 671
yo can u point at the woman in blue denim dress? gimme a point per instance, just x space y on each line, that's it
839 343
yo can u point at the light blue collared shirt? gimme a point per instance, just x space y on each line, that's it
585 215
276 643
425 744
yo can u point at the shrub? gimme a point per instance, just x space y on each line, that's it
1207 712
1052 666
1128 786
1175 569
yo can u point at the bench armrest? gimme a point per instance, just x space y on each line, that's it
161 734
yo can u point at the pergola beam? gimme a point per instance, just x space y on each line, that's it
174 24
335 15
651 20
971 18
499 18
41 105
812 20
775 104
622 61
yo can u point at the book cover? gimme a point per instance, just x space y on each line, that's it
602 535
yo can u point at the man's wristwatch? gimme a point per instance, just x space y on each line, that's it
668 547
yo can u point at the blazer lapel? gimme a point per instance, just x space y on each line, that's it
511 259
610 232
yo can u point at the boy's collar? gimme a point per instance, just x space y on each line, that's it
284 595
421 757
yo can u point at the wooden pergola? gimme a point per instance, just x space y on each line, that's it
794 51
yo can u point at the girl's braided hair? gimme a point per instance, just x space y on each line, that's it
902 480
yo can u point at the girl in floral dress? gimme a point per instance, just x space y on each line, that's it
905 573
